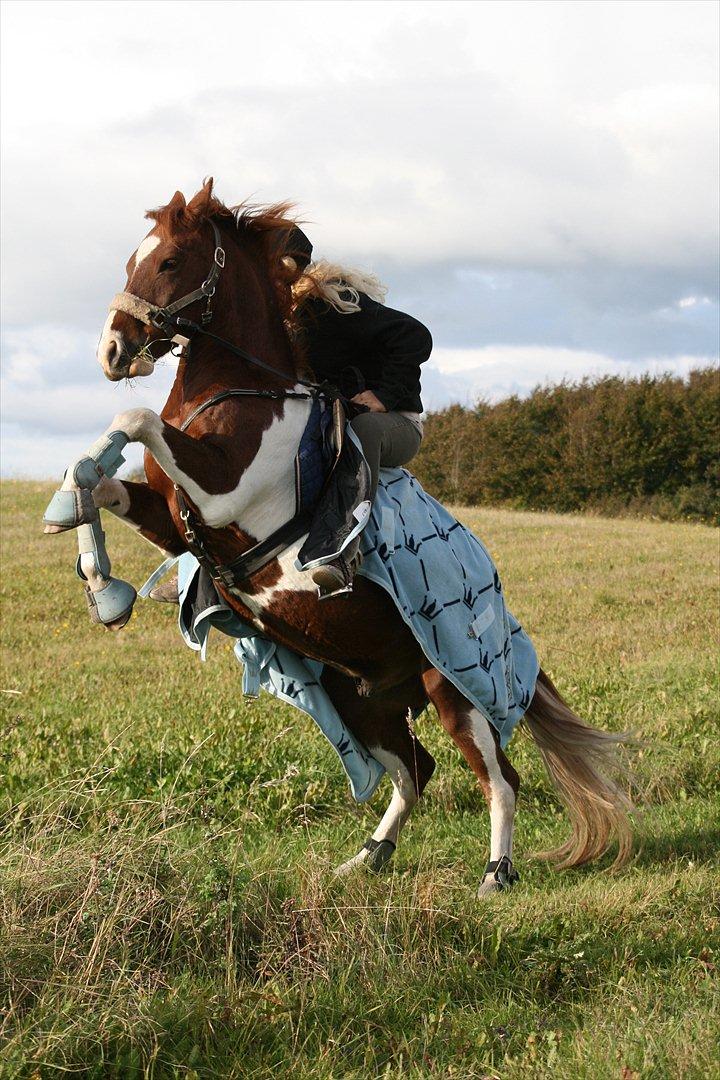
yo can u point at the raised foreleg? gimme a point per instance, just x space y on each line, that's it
500 783
200 466
88 486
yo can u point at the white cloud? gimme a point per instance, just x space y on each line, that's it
496 371
527 144
519 134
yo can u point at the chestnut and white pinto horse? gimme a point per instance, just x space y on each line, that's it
234 464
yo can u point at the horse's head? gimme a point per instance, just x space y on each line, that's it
181 255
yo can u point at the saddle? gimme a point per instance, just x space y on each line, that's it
333 481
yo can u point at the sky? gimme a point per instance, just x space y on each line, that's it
537 182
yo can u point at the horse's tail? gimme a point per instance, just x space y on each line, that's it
581 761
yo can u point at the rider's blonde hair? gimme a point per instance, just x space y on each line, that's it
339 285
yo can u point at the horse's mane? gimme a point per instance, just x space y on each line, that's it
264 230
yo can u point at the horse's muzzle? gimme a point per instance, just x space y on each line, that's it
118 363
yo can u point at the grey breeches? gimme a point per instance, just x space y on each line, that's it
387 439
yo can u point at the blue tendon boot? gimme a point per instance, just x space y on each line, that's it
69 508
110 605
110 600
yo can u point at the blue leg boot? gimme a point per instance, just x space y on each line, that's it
111 604
110 600
69 508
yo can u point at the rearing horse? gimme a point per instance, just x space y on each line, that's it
235 465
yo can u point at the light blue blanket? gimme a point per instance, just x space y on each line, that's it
446 588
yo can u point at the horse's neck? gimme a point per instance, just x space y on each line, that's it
264 496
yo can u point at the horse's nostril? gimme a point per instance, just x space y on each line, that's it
111 351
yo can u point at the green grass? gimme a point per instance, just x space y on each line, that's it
166 900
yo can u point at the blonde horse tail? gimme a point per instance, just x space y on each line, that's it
582 761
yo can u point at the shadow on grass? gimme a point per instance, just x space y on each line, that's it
698 844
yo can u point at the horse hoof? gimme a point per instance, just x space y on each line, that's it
499 876
374 855
118 624
348 867
112 606
489 885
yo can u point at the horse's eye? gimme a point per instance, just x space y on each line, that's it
168 264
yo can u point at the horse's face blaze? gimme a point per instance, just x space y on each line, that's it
169 263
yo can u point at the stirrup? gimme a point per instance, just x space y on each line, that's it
346 569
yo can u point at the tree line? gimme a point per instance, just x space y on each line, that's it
648 445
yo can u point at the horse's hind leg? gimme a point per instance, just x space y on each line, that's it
381 724
478 743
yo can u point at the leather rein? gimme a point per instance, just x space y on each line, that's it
180 331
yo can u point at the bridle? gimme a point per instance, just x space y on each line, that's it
163 318
180 331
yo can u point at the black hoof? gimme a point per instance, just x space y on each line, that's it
380 852
499 876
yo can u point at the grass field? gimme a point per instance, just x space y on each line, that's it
167 903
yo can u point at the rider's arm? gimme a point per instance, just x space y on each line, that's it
399 344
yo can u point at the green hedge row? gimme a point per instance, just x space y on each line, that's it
649 445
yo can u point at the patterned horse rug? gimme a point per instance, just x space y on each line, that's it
447 590
444 585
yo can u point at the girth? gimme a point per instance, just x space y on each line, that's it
259 555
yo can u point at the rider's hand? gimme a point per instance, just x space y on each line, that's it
368 399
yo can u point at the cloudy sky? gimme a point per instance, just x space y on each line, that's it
535 181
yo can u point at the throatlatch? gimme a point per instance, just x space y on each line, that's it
112 602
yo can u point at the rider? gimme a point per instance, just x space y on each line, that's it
342 324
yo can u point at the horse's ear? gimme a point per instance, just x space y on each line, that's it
199 205
176 209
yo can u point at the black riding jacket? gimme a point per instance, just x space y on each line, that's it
387 346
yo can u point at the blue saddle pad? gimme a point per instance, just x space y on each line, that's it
315 455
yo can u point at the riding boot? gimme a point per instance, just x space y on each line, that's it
168 592
336 578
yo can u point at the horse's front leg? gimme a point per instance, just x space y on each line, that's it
89 485
193 464
200 467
